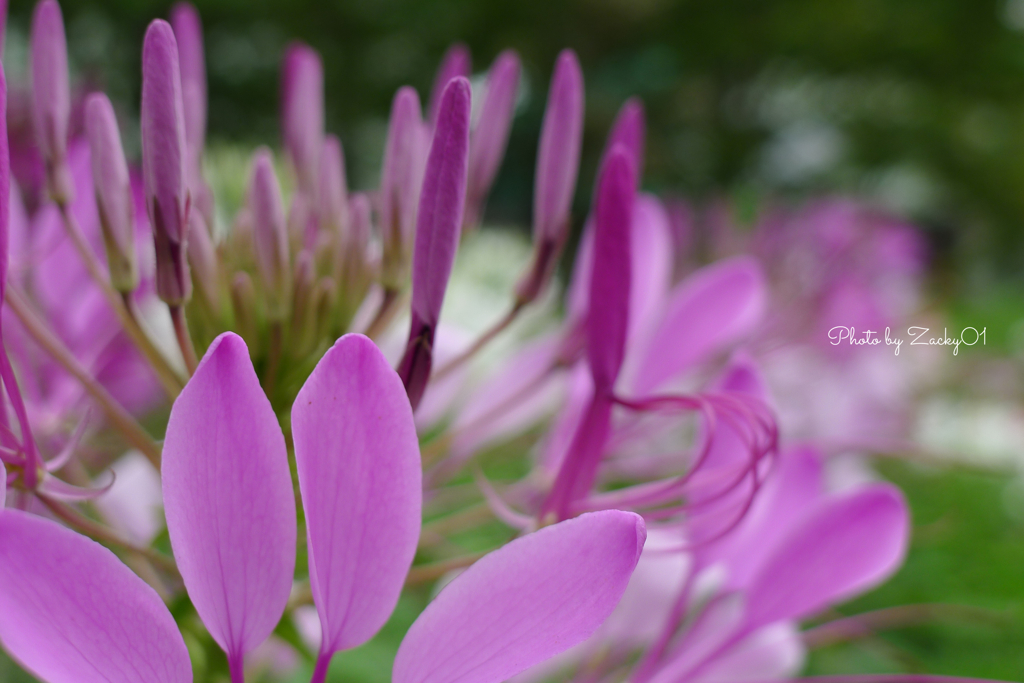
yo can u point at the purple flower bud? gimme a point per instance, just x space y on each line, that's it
302 112
629 130
558 161
437 232
607 321
400 184
270 234
455 62
490 137
51 99
113 192
558 158
333 189
163 161
188 31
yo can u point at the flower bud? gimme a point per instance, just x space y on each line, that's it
629 130
188 31
243 301
438 225
202 257
400 184
163 161
302 112
490 137
333 189
51 98
270 234
456 62
113 192
558 161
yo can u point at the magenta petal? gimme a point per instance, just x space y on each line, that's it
843 546
714 307
558 157
228 499
400 183
359 470
456 63
71 612
608 322
524 603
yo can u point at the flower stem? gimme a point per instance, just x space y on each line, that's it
169 379
323 662
236 667
98 532
479 344
387 310
188 351
120 418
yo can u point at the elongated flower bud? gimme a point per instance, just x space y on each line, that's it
333 189
202 257
163 161
629 130
188 31
558 161
270 234
400 184
490 137
607 319
51 98
302 112
113 192
456 62
437 233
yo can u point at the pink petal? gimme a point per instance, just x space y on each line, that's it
608 322
714 307
71 612
359 472
524 603
228 499
842 547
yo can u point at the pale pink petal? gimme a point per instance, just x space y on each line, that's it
71 612
845 545
714 307
359 472
524 603
228 499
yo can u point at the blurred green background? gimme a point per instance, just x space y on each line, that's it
915 104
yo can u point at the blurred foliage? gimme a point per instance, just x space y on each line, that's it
918 103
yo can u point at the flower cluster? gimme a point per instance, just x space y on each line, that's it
665 527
